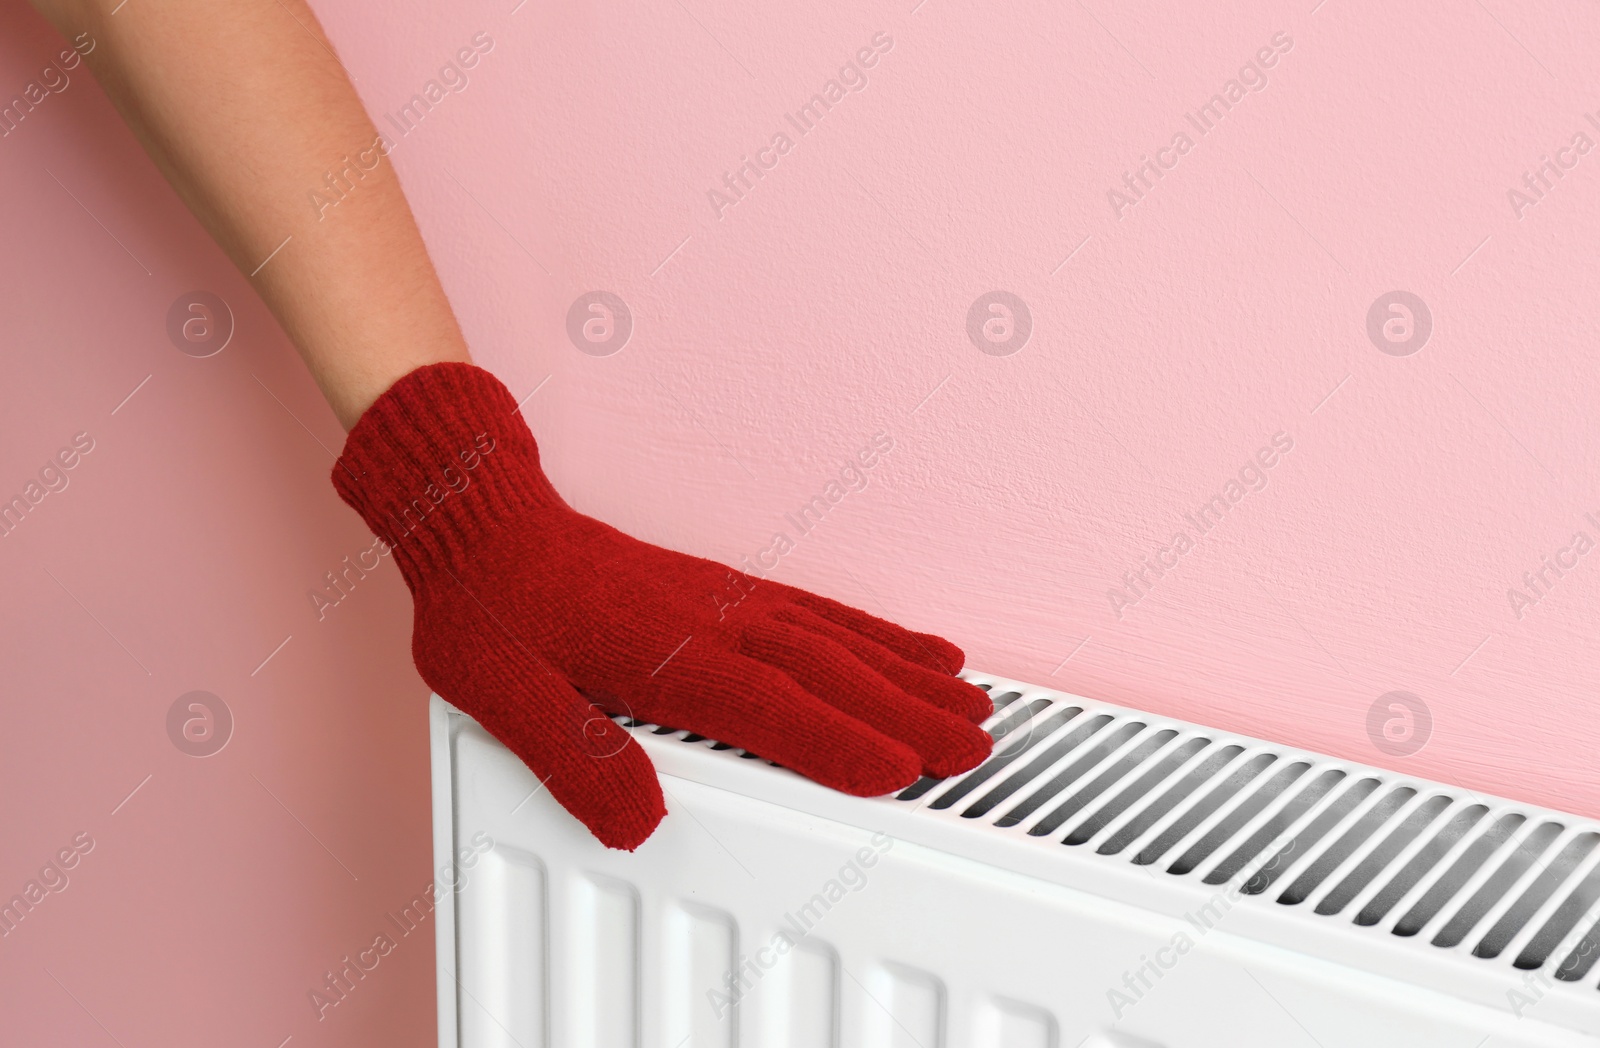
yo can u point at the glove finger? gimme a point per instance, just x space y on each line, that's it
590 765
748 704
947 744
924 649
940 689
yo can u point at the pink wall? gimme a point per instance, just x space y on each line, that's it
1172 336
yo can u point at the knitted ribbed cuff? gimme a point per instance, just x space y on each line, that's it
440 458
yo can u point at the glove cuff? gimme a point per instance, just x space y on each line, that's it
443 456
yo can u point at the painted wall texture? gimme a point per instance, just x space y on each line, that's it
1238 364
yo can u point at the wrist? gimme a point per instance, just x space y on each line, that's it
439 458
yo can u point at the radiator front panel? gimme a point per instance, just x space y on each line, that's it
745 922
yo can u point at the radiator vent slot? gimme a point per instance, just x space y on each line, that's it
1429 866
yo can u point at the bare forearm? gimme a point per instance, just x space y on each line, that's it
246 110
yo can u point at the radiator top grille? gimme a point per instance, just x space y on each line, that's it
1385 852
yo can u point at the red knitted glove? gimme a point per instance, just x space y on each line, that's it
519 599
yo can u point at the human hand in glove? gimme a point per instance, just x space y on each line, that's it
518 599
521 603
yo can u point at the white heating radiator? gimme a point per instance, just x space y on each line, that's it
1108 879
